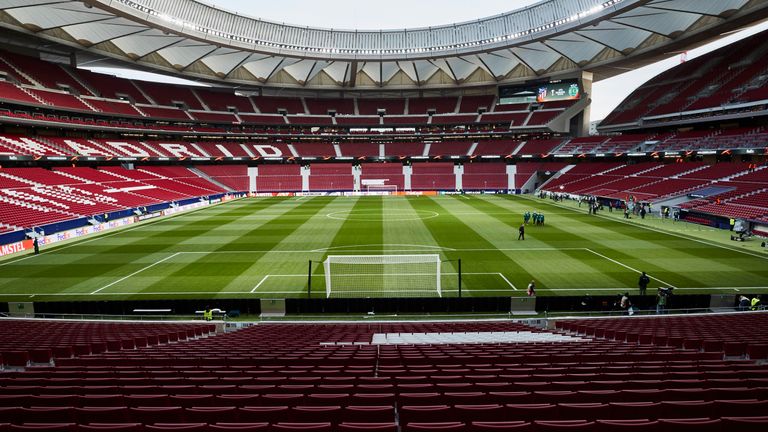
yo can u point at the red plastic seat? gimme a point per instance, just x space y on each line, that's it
685 409
110 427
424 413
271 414
745 424
315 413
102 415
519 426
531 412
739 408
314 427
441 426
636 425
634 410
374 427
49 414
187 427
371 413
52 427
691 424
588 411
211 414
241 427
149 415
564 425
483 413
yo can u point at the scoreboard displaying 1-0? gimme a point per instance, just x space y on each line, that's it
549 91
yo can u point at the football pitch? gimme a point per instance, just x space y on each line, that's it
261 248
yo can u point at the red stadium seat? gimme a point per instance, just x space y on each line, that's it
296 427
745 424
110 427
242 427
373 427
443 426
188 427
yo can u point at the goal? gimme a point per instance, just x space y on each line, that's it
380 188
382 275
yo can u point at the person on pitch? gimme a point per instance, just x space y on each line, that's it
521 231
643 283
532 289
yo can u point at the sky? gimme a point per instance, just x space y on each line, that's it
356 14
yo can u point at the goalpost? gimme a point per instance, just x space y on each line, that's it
382 275
381 188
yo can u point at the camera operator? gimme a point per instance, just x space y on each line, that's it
662 299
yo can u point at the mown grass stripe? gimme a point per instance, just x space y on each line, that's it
86 267
210 271
675 260
363 226
448 230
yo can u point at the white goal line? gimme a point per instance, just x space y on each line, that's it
263 280
188 293
504 278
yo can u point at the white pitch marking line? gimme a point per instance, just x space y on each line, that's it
628 267
534 249
379 244
100 236
392 274
259 284
135 273
507 281
397 291
664 231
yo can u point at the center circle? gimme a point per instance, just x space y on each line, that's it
369 216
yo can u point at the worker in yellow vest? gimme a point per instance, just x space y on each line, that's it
732 221
208 314
755 303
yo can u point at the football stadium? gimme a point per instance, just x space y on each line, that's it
219 217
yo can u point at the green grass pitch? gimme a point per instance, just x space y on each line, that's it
261 248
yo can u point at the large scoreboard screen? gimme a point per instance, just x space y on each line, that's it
559 90
556 90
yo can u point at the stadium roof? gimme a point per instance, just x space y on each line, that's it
551 38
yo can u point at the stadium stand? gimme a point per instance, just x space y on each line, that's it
382 174
278 178
433 176
24 343
233 176
389 106
330 377
721 78
539 147
485 176
501 147
331 176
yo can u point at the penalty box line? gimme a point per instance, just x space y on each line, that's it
189 293
264 279
135 273
628 267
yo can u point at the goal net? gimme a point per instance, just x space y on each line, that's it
382 275
380 188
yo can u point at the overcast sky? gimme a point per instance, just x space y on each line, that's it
393 14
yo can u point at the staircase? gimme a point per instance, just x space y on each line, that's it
34 96
210 179
21 73
80 81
